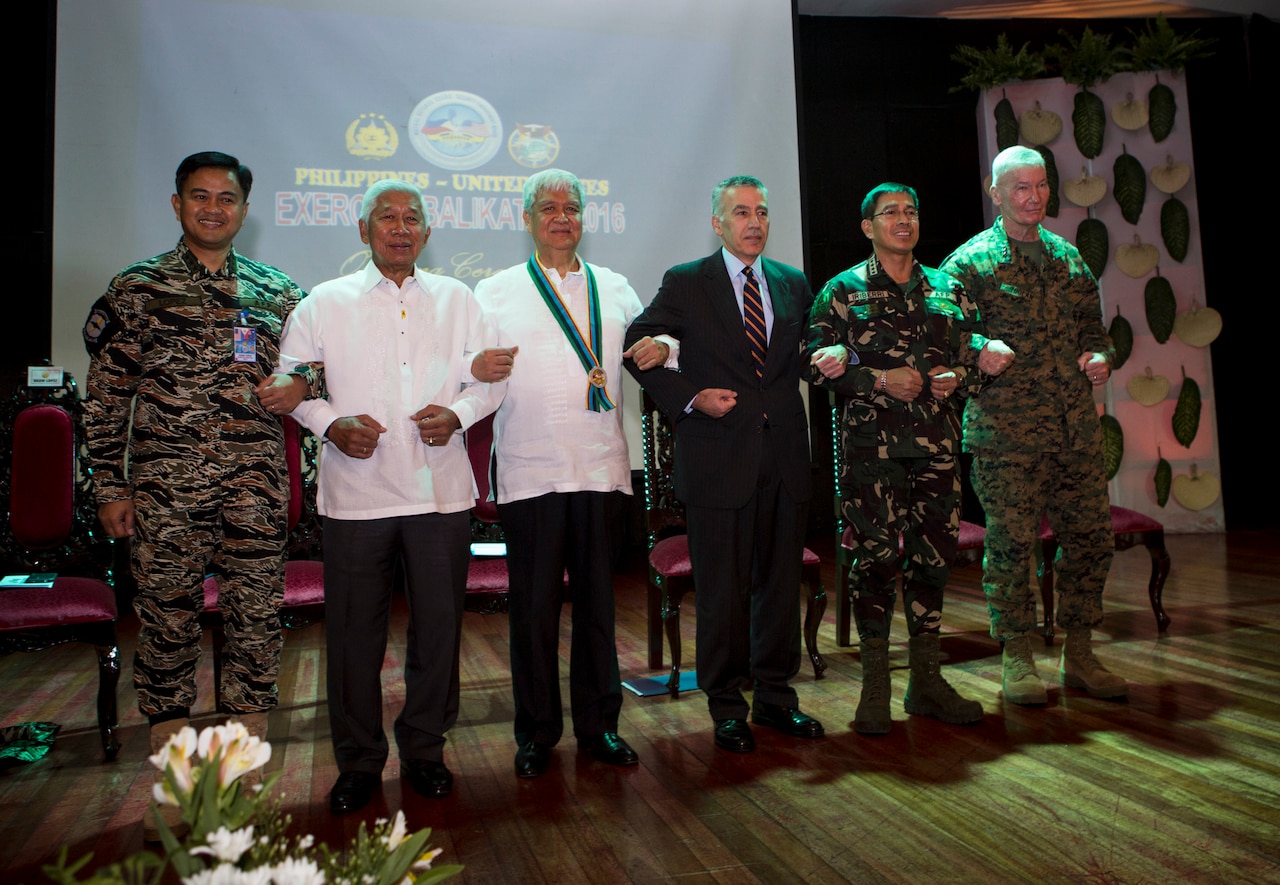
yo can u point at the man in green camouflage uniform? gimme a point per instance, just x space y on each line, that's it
207 487
909 328
1034 430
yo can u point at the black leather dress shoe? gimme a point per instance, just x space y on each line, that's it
787 720
734 735
610 749
428 778
532 759
352 791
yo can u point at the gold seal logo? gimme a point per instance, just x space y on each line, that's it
372 137
533 145
597 377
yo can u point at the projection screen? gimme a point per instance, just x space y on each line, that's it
649 104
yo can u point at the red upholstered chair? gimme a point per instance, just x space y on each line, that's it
670 571
488 590
303 572
52 526
1131 528
968 549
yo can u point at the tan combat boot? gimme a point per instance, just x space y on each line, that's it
171 814
928 694
1080 669
1019 679
872 716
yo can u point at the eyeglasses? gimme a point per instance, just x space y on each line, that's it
910 216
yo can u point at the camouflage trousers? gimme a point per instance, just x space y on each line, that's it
917 500
235 531
1016 491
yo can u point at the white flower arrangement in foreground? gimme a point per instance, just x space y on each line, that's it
238 837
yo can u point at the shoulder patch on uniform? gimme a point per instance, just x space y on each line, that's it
101 326
940 304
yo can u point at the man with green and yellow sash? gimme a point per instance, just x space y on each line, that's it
562 466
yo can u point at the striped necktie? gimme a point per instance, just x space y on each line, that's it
753 320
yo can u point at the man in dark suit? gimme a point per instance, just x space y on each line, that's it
741 459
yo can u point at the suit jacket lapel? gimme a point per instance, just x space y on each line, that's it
725 304
779 294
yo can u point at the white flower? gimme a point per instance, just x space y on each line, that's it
241 752
217 736
297 872
306 842
225 845
175 756
181 744
399 830
227 874
422 864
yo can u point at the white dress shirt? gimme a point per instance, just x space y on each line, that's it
546 438
389 351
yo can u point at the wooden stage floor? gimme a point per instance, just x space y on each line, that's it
1181 783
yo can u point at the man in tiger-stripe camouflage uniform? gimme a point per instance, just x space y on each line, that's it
185 343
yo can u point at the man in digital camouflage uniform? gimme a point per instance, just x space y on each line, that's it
1034 431
193 335
909 328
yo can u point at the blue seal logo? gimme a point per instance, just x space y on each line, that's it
455 130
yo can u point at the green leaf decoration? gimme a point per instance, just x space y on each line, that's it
1094 245
1006 124
1162 307
988 68
1088 122
1164 481
1088 59
1162 107
1186 414
1175 228
1160 47
1051 176
1130 186
1122 338
1112 444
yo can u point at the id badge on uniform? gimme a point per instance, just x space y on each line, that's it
245 340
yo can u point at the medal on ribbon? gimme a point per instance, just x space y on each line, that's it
587 347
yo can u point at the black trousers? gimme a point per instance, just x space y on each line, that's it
360 558
746 571
546 536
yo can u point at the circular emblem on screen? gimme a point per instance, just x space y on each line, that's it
455 130
533 145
